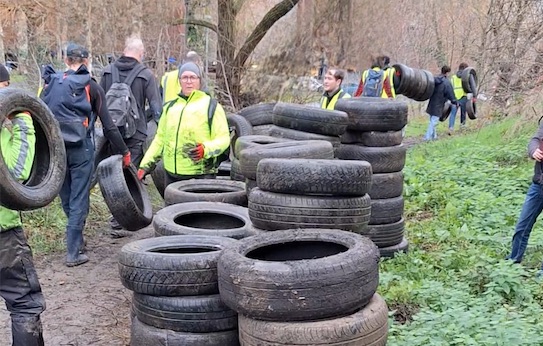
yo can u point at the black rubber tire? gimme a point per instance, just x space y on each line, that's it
203 218
419 84
49 166
385 235
250 157
181 265
158 175
259 114
255 140
447 109
386 185
368 326
239 126
275 211
144 335
262 130
310 119
283 132
403 78
124 194
206 190
314 177
299 275
235 171
380 139
101 151
391 251
382 159
466 73
250 184
429 86
383 115
471 109
192 314
387 210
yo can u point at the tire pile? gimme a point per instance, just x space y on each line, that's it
176 299
304 287
374 135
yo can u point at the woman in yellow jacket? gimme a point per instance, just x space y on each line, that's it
185 140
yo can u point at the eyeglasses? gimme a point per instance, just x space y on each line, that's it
189 78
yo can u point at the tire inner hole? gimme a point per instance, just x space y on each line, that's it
209 221
296 251
186 250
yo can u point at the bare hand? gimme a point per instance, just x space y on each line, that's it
538 155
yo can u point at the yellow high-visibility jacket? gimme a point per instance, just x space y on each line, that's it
457 87
182 126
169 84
332 104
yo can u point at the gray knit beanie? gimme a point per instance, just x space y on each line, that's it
190 66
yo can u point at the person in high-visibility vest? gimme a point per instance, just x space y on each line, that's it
384 85
332 88
389 75
170 88
461 96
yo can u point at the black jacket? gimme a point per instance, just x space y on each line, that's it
443 91
144 88
532 146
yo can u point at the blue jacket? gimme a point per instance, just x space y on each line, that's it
443 91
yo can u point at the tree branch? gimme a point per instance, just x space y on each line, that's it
193 21
276 13
236 7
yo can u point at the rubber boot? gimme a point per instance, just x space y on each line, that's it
27 331
74 240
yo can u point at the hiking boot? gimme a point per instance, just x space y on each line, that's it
80 259
27 331
114 224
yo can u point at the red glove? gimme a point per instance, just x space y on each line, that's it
141 174
197 153
474 99
126 160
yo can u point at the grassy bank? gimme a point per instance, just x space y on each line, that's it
463 196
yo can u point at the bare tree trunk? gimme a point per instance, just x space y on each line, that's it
2 49
21 29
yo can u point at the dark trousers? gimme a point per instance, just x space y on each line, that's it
20 288
172 178
75 193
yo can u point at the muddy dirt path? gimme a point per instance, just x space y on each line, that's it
86 305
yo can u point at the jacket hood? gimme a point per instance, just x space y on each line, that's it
459 73
439 79
125 63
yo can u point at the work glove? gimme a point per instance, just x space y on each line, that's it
197 153
126 160
141 174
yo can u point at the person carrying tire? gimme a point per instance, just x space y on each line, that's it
19 285
461 96
74 97
192 133
375 82
143 86
443 91
332 88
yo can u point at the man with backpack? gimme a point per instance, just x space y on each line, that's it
75 99
443 91
332 88
129 85
375 82
192 133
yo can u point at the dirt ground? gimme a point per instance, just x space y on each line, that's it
86 305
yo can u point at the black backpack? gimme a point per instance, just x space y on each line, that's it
121 103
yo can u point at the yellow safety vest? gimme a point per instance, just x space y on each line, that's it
170 86
390 74
332 104
457 87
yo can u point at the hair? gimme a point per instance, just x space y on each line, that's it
75 60
192 56
445 69
379 62
338 74
133 44
386 60
462 66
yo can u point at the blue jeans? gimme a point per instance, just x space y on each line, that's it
454 109
431 132
75 193
533 205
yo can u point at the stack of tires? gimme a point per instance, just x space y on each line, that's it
303 122
304 287
260 117
374 135
176 298
414 83
302 193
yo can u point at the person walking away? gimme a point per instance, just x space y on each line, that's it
461 96
374 82
389 78
129 70
332 88
74 97
442 92
19 284
192 133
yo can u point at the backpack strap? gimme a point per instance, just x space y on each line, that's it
211 112
115 74
133 74
168 105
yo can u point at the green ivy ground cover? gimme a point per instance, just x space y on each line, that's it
463 196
